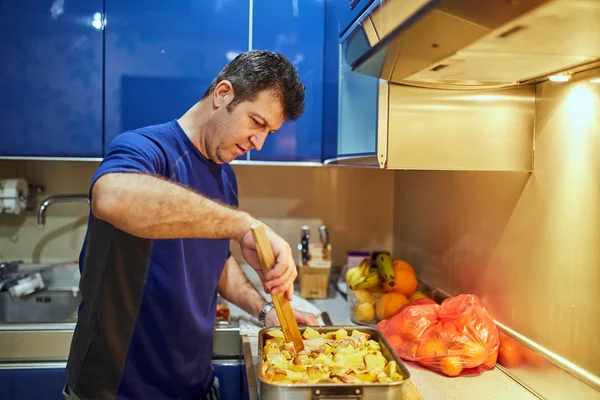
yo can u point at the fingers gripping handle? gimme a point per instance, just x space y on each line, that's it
289 326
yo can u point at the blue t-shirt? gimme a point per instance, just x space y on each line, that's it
145 326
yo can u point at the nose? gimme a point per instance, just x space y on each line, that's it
258 141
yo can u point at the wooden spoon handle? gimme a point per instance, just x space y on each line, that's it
286 316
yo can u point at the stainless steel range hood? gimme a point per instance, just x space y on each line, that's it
474 43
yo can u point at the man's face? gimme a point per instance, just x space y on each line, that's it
231 134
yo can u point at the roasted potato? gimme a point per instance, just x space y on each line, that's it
333 357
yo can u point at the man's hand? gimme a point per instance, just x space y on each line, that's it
303 318
281 278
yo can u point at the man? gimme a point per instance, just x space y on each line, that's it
163 212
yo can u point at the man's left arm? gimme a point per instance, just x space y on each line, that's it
235 287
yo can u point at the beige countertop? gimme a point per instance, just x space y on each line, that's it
491 385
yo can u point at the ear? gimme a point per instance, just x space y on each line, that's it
223 94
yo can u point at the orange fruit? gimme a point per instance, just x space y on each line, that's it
388 304
451 366
471 354
401 264
509 353
405 282
432 348
490 361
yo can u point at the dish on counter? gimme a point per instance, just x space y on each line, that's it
341 356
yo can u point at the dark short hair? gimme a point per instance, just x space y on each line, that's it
254 71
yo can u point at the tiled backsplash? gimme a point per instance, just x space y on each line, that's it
355 203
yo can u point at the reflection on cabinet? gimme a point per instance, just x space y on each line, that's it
161 56
75 77
51 78
294 29
350 105
350 10
357 123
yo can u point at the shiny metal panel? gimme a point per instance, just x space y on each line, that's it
464 43
526 243
250 375
458 130
548 374
35 345
382 124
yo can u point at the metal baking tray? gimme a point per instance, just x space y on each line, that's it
339 391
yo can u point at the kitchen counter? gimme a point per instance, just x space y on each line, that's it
491 385
49 343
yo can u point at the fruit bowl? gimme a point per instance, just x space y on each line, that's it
362 305
376 291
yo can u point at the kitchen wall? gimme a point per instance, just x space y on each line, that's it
355 203
526 243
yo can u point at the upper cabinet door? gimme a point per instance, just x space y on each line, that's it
295 29
51 78
357 112
351 98
349 11
161 56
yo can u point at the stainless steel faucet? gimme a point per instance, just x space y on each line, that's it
61 198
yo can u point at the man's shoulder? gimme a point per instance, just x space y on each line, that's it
149 131
159 137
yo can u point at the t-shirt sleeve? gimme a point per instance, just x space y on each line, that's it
132 151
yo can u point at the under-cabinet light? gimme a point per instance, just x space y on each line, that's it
560 78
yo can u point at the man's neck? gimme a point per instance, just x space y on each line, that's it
192 123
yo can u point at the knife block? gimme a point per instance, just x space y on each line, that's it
314 275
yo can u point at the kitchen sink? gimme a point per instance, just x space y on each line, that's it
57 301
227 342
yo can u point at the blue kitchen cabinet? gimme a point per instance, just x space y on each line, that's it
35 383
350 98
295 29
349 11
233 384
32 383
161 56
51 78
333 13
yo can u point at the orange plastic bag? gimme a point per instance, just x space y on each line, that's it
454 338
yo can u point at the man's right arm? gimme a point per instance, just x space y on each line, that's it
154 208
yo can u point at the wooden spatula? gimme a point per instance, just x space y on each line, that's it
289 326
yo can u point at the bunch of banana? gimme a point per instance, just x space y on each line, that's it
362 277
386 269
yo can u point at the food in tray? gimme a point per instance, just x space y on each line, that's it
332 357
